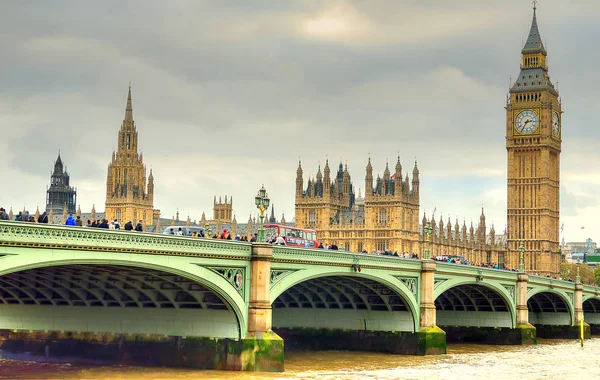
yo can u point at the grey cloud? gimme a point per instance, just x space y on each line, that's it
236 91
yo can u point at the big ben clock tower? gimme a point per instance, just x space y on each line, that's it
533 144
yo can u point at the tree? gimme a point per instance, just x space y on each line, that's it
597 276
586 273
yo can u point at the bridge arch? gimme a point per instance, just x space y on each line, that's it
369 300
174 281
550 307
468 302
591 310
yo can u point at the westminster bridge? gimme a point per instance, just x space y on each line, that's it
182 301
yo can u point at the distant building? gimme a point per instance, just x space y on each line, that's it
60 194
129 197
386 219
223 211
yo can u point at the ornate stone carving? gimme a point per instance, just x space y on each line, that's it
511 290
437 283
235 276
411 283
278 275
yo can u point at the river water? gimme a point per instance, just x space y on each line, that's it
550 359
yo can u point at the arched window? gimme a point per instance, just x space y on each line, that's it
312 217
382 216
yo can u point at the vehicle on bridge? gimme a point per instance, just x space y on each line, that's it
299 237
187 230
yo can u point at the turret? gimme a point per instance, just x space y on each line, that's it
398 178
299 181
250 231
369 181
386 179
456 230
415 180
471 233
326 179
346 183
319 183
482 228
151 186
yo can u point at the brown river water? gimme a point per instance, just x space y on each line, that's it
550 359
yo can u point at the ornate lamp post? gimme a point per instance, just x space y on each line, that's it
428 230
262 202
522 258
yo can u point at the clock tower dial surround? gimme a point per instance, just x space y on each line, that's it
533 144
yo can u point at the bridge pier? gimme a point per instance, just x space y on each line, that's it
526 333
431 338
262 349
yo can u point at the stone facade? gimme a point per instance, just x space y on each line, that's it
223 211
128 196
386 219
533 143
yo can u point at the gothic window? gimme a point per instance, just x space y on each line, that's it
360 246
382 216
128 142
135 216
119 214
312 217
381 246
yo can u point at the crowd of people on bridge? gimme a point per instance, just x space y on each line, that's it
24 216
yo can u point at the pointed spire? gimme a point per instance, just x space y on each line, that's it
58 165
534 40
129 108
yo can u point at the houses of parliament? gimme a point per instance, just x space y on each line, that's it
388 216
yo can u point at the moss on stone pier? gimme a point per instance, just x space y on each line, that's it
259 352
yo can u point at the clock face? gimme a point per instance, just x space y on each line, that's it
527 122
555 124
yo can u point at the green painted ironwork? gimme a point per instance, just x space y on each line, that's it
223 267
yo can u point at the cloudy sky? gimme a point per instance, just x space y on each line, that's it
227 95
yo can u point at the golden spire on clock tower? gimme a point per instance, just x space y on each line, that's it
533 143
